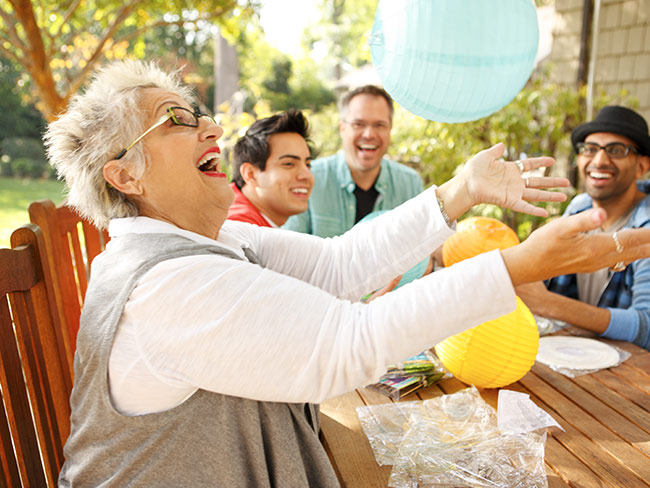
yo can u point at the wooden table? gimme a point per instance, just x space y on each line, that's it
606 417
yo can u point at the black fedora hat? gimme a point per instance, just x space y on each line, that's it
617 120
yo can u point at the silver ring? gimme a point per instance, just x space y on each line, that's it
526 182
620 266
520 165
619 248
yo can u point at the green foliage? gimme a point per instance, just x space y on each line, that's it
324 130
276 87
301 90
58 43
343 33
21 118
310 94
24 157
21 150
269 75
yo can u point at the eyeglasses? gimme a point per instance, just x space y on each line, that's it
615 150
178 116
361 125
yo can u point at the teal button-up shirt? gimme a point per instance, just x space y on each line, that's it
332 204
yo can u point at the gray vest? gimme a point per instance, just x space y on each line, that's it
209 440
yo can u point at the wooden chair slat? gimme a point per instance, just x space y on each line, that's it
72 243
81 279
20 275
9 475
17 408
34 377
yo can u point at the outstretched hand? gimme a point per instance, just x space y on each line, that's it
564 247
492 180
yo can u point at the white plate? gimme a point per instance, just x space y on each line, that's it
576 353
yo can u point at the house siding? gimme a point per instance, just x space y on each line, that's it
623 51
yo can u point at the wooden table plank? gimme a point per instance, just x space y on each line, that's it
630 391
565 466
621 404
556 482
559 459
606 416
372 397
639 379
588 439
347 445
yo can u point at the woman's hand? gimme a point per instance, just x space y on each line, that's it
563 247
486 178
491 180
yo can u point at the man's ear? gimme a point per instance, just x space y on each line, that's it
644 166
119 177
248 173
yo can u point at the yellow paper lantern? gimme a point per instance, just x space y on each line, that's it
495 353
476 235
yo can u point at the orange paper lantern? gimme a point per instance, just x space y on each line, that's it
476 235
495 353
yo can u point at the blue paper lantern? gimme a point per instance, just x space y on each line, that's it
416 271
454 60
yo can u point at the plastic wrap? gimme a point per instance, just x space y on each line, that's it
547 326
450 441
384 426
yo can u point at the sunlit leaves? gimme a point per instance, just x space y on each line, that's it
73 39
117 50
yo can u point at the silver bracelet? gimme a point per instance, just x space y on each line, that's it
443 211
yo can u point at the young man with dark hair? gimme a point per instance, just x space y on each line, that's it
271 176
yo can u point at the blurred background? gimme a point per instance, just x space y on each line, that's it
251 58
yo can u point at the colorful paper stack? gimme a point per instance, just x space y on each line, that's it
411 375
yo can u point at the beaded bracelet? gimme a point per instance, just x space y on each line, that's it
443 211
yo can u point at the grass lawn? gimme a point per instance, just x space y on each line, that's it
15 197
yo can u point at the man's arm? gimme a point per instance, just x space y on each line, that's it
630 324
555 306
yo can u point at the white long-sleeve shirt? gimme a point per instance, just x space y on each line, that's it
293 331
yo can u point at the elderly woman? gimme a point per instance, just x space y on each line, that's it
204 344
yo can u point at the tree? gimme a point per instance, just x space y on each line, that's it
59 43
343 33
25 120
276 86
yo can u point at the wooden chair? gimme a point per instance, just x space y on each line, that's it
35 381
72 243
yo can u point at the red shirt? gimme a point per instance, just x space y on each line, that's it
243 210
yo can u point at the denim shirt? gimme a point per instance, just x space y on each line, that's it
627 295
332 204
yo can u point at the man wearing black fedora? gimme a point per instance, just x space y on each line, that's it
613 154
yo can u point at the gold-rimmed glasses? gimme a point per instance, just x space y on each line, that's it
179 116
362 125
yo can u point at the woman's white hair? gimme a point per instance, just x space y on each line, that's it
98 124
